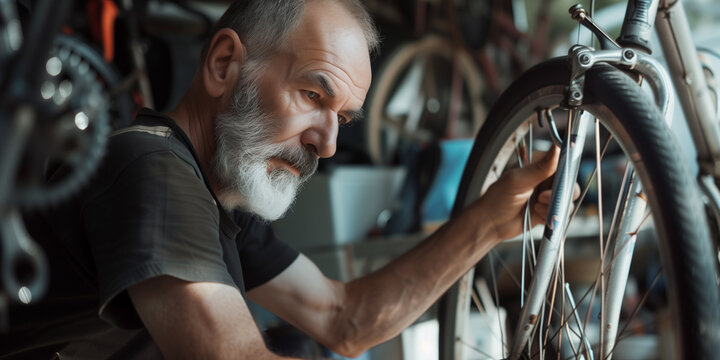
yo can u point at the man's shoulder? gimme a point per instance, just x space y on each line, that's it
151 132
148 150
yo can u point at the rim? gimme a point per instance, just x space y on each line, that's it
402 107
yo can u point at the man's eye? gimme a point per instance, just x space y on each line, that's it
342 120
312 95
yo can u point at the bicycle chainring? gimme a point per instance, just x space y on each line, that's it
72 134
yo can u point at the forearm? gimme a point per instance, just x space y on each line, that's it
382 304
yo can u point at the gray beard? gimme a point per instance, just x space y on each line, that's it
243 136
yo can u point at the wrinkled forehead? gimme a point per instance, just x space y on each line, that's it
330 36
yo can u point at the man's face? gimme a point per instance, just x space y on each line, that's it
244 143
286 111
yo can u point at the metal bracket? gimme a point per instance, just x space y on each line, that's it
583 58
581 16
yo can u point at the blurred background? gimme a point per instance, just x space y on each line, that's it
441 65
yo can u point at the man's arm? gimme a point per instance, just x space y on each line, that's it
349 318
198 320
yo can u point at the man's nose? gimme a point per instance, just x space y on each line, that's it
321 136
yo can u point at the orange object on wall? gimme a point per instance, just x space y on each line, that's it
102 15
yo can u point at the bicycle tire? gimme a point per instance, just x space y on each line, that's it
635 123
394 70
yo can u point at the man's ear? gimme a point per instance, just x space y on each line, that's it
224 59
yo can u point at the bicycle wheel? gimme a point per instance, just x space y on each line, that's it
670 302
413 101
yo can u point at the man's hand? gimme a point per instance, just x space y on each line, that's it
508 196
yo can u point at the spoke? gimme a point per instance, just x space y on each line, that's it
647 216
477 349
598 177
521 151
599 155
497 300
592 300
563 320
633 233
567 317
527 221
583 340
542 318
595 174
507 269
562 245
616 213
587 186
485 316
607 260
552 304
528 238
637 307
522 261
557 332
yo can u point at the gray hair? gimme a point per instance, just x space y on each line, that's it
264 25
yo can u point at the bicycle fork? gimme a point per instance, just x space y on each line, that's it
555 226
616 267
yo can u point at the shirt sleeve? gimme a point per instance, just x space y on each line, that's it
157 218
262 254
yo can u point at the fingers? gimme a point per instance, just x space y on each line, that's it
576 191
545 195
531 176
542 205
540 212
547 164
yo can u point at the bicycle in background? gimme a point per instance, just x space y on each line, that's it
439 84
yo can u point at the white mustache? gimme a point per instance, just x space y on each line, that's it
300 158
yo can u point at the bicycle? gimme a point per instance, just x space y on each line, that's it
585 288
53 108
61 98
436 85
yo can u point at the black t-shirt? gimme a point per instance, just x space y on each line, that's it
148 211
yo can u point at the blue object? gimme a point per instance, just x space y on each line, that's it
441 197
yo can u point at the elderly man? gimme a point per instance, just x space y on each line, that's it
172 235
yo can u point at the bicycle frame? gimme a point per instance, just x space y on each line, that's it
687 76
